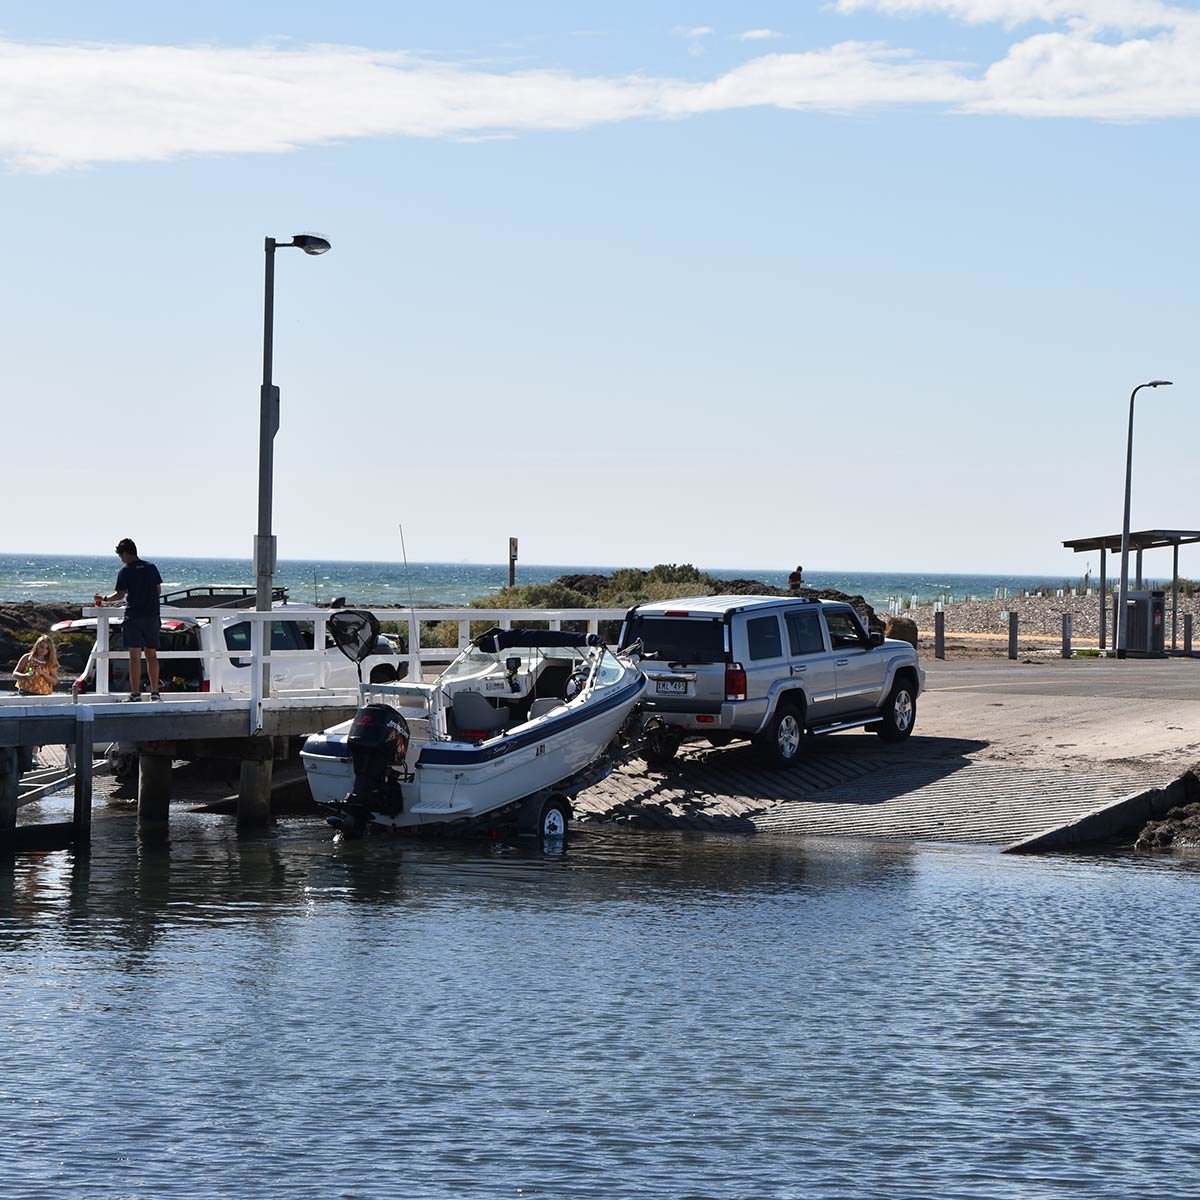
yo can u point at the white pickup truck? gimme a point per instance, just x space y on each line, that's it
226 630
768 668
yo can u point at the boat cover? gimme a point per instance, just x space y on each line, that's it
497 639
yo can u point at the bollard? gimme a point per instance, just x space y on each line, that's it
1187 633
939 635
1066 647
1012 634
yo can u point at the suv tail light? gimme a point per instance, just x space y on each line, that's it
735 681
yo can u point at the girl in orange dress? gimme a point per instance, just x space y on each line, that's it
37 672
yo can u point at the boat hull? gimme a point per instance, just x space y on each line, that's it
463 781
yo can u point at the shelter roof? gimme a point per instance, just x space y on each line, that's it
1144 539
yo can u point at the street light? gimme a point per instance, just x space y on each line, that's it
268 426
1122 615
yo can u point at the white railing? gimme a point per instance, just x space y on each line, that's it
328 663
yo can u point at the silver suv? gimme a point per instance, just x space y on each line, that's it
770 669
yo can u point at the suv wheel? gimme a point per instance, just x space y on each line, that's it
899 713
660 746
782 741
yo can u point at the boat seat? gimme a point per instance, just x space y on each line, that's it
539 708
474 715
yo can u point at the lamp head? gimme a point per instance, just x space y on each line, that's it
1161 382
310 243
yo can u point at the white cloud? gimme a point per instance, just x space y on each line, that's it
693 31
757 35
1096 14
72 105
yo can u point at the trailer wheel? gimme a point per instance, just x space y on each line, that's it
546 820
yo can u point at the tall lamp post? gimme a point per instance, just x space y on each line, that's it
268 426
1122 615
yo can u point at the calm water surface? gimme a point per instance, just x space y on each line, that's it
645 1015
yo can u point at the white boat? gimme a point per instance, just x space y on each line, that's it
516 725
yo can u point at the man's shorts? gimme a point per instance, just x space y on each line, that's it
141 632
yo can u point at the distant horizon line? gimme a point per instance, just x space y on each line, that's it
502 565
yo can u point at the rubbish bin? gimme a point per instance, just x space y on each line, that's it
1145 631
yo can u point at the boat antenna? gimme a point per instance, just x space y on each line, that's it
412 608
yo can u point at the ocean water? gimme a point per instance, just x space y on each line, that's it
641 1016
74 578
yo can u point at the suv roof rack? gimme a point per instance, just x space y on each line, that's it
219 595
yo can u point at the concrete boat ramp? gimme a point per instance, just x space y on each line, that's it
1003 752
854 791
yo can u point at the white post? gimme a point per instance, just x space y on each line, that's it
464 634
216 664
256 673
102 654
319 636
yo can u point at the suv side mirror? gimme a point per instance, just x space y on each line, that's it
876 638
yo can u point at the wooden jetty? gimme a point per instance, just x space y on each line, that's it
179 726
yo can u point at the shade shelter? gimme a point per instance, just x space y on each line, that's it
1144 539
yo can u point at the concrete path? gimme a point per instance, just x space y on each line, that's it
1002 750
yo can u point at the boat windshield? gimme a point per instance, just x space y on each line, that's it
609 671
477 664
540 670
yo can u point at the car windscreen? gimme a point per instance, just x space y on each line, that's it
678 639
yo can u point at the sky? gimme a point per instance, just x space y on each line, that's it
863 284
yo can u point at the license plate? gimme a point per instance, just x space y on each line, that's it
672 687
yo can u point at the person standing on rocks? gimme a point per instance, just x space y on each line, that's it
139 585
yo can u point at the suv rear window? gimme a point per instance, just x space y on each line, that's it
679 639
762 636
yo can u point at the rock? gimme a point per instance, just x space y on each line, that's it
860 605
592 586
904 629
747 587
20 624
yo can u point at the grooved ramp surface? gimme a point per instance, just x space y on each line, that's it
925 789
976 803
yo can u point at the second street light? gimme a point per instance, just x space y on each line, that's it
268 426
1122 614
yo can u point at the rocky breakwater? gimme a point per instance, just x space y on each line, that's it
21 624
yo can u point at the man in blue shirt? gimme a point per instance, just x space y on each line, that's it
139 585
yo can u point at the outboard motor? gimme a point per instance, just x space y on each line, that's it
378 744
